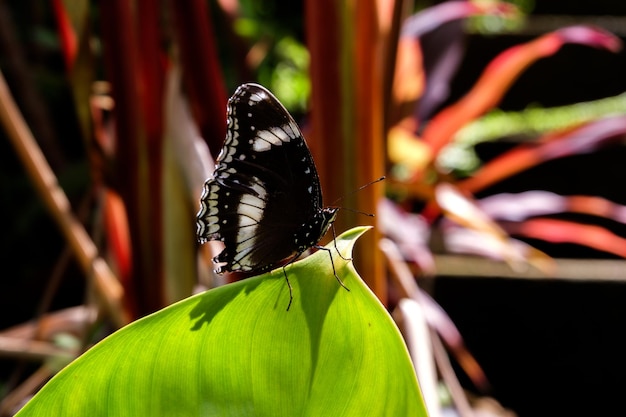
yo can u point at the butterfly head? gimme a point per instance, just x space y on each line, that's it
312 231
327 216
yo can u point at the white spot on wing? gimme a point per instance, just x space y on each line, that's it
256 97
281 134
263 141
292 129
250 210
250 213
258 188
276 136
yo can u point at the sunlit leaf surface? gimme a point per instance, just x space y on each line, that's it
235 350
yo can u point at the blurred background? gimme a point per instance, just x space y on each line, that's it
500 126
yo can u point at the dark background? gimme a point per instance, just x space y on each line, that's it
551 348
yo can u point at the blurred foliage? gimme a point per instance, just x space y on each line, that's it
459 156
279 58
492 24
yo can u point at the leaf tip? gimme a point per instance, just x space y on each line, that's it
344 243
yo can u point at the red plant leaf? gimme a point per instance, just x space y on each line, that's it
409 71
435 316
517 207
409 77
435 16
67 34
502 72
596 206
463 210
512 251
203 74
488 239
562 231
118 234
409 231
451 336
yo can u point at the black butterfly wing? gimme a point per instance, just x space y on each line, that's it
265 187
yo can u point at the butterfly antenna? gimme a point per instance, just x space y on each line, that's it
356 191
353 211
358 211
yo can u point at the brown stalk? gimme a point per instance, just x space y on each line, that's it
346 115
323 35
121 65
368 141
132 64
202 73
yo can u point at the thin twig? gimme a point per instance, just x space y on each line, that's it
59 206
449 377
32 349
408 286
13 400
584 270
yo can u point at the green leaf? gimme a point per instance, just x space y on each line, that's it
236 351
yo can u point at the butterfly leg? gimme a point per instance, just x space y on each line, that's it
332 226
289 286
332 263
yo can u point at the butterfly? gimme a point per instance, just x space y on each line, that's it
264 200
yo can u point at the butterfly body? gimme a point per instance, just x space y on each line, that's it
264 200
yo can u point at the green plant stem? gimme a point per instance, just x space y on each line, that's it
533 121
